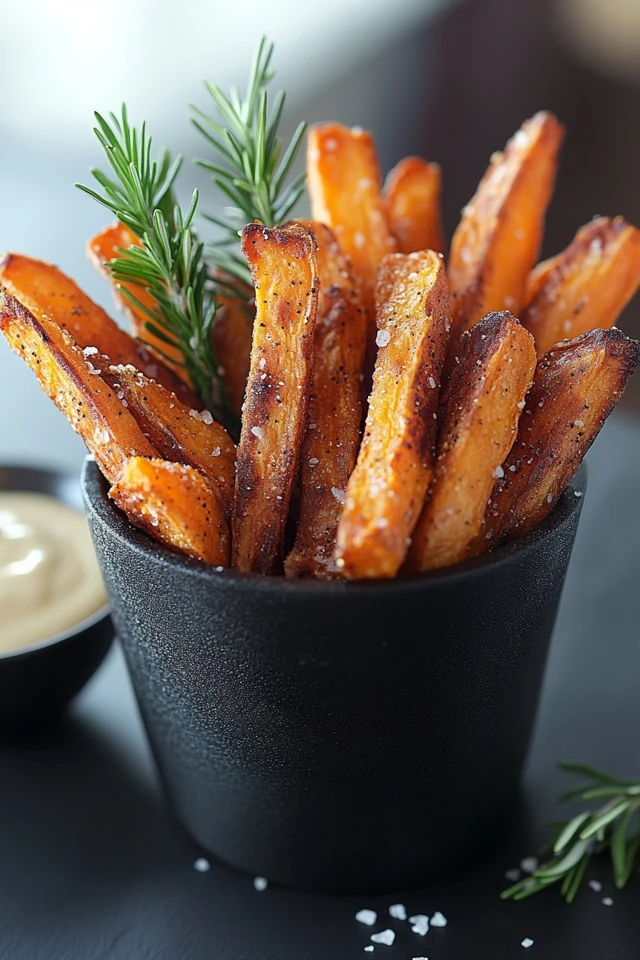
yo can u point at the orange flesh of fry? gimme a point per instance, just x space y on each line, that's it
284 269
104 247
75 386
175 505
178 433
48 293
480 412
232 332
386 490
344 183
498 239
412 197
576 386
589 285
334 417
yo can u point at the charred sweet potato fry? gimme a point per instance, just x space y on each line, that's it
589 284
334 417
46 292
232 332
175 505
344 182
498 239
386 490
284 270
71 380
577 384
106 246
412 199
177 432
479 420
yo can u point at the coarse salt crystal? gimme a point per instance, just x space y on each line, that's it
595 885
338 494
608 902
526 943
216 452
549 498
202 865
313 461
432 383
419 924
204 415
512 468
438 920
368 917
530 864
262 363
260 883
398 911
385 936
258 432
512 875
577 493
497 473
578 423
90 351
369 948
93 370
382 338
520 405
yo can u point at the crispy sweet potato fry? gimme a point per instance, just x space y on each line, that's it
577 385
412 199
537 279
47 292
178 433
74 384
343 178
104 247
232 332
386 491
284 269
334 417
589 284
175 505
498 239
480 412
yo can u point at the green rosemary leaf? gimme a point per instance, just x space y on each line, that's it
570 831
606 817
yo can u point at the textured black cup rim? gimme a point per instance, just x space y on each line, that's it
104 510
100 614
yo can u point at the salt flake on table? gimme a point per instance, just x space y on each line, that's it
438 920
512 875
382 338
419 924
608 902
367 917
385 936
398 911
202 865
529 864
595 885
260 883
369 948
526 943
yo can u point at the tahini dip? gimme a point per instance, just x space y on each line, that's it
49 576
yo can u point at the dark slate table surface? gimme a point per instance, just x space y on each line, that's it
92 866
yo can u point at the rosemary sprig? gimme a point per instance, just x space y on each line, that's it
170 265
250 165
613 826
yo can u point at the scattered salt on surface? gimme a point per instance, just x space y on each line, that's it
90 351
497 473
578 423
313 461
216 452
608 902
549 497
258 432
369 948
382 338
202 865
204 415
526 943
432 383
338 494
577 493
521 405
512 875
262 363
367 917
419 924
438 920
529 864
260 883
595 885
385 936
398 911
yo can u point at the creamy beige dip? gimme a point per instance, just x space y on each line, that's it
49 575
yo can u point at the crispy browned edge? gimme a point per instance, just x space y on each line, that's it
284 270
75 386
175 504
576 386
479 417
387 488
504 219
411 194
48 292
334 417
586 286
176 431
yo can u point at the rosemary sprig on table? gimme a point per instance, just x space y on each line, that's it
170 265
250 165
612 826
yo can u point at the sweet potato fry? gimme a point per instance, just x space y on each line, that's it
175 505
102 248
479 422
589 284
334 417
74 384
537 279
46 292
284 269
178 433
577 384
343 178
412 199
386 490
232 331
498 239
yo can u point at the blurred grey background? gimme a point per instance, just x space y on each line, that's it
448 79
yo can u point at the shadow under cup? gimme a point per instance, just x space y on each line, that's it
328 735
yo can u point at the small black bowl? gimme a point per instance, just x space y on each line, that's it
337 736
38 681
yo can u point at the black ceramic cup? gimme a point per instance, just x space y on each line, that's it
341 737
